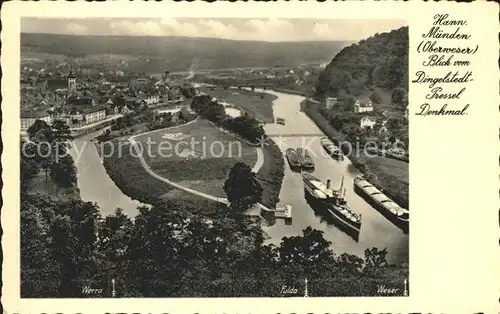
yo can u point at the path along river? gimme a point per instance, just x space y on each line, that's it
376 231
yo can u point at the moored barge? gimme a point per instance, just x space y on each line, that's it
396 214
331 148
293 159
305 159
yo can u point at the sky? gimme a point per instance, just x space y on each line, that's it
237 29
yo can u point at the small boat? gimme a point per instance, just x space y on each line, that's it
305 158
293 159
392 211
280 121
331 148
333 202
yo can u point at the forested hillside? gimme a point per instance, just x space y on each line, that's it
379 61
178 53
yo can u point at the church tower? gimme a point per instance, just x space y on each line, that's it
71 83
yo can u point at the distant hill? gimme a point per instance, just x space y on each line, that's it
379 61
178 53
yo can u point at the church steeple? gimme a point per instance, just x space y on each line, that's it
71 82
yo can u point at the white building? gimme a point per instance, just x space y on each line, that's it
363 106
407 111
330 102
93 115
367 122
152 99
28 118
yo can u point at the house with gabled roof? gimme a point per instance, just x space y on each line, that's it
363 105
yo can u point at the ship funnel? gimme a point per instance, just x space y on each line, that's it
328 182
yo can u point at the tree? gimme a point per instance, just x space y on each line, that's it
347 101
375 97
246 126
307 255
398 96
375 259
115 232
29 166
61 131
188 91
40 275
242 188
214 112
42 149
73 234
63 171
153 266
41 127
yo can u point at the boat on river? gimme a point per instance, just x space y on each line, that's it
396 214
333 203
331 148
293 159
305 159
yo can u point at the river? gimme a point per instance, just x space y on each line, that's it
376 231
93 181
301 131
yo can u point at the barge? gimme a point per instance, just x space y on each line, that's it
305 159
293 159
331 149
333 203
392 211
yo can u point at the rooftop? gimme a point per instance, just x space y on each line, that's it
34 115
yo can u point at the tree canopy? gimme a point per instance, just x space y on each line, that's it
242 188
168 252
380 61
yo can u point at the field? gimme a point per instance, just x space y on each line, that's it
255 104
392 175
33 56
126 170
196 155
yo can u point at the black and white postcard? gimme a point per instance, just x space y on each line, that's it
259 157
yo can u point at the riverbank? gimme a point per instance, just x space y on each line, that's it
257 104
387 174
87 129
39 185
293 92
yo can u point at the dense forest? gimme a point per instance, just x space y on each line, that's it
178 53
67 247
379 61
